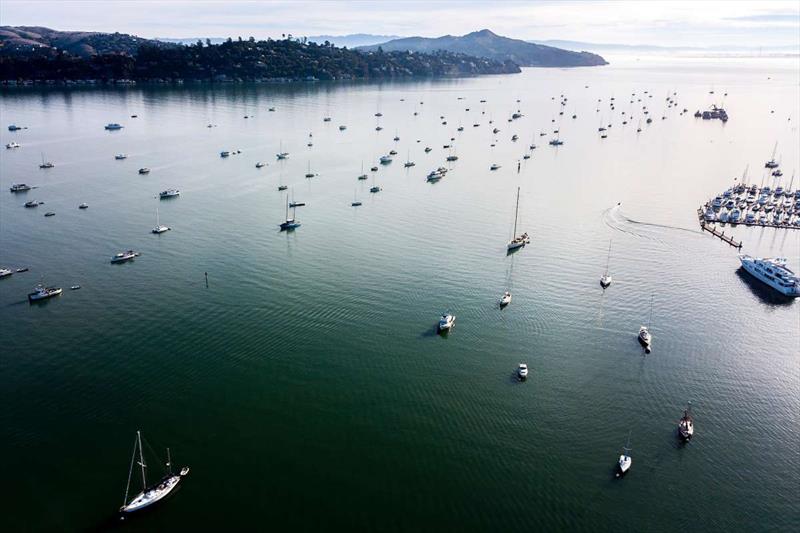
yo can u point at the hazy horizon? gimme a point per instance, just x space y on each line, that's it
659 23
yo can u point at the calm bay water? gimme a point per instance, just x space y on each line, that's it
306 387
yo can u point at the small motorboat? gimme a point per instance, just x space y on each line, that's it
505 299
385 159
260 164
122 257
494 166
23 269
446 322
686 424
113 126
645 338
342 127
19 187
75 287
522 371
5 272
144 170
50 214
32 203
169 193
12 145
120 157
83 206
428 149
40 292
374 189
224 153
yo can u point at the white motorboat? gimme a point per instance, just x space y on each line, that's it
120 157
772 272
114 126
122 257
259 164
505 299
522 371
169 193
645 338
40 292
83 206
20 187
686 424
385 159
517 241
446 322
150 494
4 272
12 145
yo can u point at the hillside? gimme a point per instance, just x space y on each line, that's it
35 56
33 40
489 45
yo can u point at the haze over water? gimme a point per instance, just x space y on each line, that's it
306 387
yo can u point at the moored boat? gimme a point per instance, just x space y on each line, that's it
41 292
150 494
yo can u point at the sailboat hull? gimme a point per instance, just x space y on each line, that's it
151 495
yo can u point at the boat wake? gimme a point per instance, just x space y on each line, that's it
615 219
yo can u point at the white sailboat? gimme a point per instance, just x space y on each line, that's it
160 228
605 280
521 240
645 338
150 494
625 460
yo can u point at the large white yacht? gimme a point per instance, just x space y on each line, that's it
774 273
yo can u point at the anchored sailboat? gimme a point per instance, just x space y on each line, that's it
645 338
150 494
521 240
605 280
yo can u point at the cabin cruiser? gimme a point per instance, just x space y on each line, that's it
522 371
374 189
144 170
169 193
282 187
40 292
772 272
645 338
20 187
778 191
436 175
342 127
750 218
716 203
723 217
5 272
32 203
710 215
505 299
12 145
282 155
428 149
686 425
452 158
114 126
494 166
734 216
556 142
446 322
326 119
83 206
120 157
121 257
385 159
224 153
260 164
50 214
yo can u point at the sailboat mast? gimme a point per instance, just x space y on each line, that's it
516 213
650 320
141 459
169 462
608 259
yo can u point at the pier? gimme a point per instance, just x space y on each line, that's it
712 229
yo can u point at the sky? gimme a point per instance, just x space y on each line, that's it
653 22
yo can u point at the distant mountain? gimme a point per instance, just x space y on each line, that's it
34 40
655 49
352 40
489 45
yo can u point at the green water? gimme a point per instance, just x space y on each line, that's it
306 385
